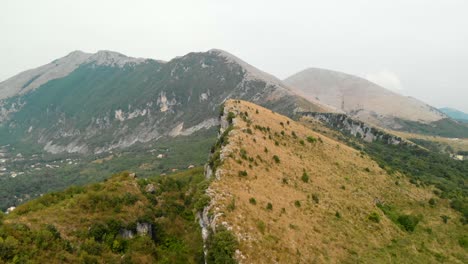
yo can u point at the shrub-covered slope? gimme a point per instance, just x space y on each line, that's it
291 195
121 220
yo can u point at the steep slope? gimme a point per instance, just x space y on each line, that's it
32 79
454 113
120 220
95 103
361 98
291 195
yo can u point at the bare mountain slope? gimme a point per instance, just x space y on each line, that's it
361 98
290 195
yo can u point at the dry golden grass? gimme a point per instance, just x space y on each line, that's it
344 181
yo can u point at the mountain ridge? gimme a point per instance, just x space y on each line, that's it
360 97
284 192
268 88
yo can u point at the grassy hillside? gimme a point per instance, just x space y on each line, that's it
426 163
91 224
291 195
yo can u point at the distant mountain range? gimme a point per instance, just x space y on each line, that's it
454 113
94 103
361 98
373 104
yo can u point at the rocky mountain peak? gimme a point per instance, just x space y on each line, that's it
112 58
251 72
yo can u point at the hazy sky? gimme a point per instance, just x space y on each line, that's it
419 47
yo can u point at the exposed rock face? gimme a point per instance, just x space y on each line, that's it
150 188
360 98
142 229
356 128
206 220
113 59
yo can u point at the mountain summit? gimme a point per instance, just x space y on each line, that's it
103 97
361 98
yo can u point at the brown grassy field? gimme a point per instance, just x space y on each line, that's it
312 203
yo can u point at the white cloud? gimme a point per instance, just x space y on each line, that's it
386 79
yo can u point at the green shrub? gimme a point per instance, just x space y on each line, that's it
311 139
463 241
276 159
97 231
301 142
8 248
315 198
445 218
53 230
221 248
92 247
201 202
432 201
408 222
269 206
297 203
232 205
118 246
305 177
129 199
338 215
230 117
374 217
252 201
242 173
261 226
